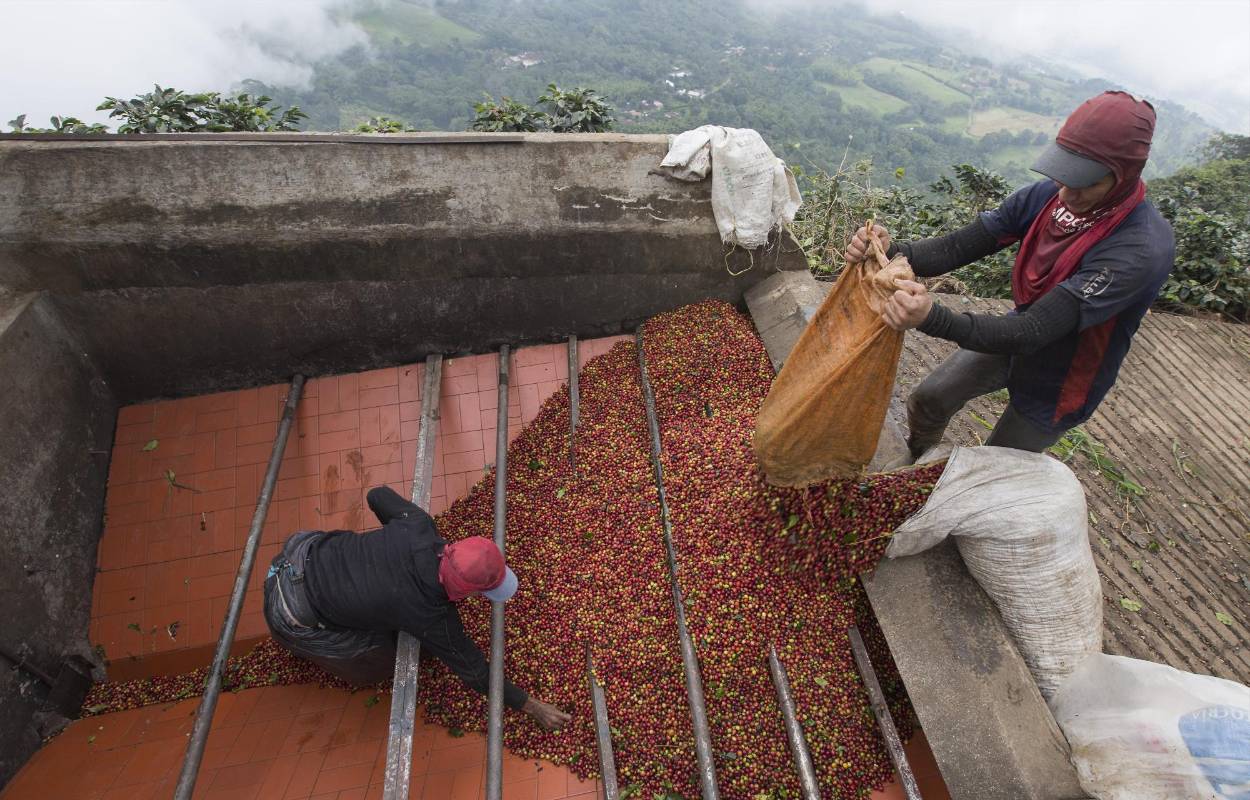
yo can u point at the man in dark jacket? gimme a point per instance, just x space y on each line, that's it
1093 256
338 598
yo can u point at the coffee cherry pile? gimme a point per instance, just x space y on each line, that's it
266 664
759 566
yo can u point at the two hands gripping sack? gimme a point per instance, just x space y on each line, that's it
823 415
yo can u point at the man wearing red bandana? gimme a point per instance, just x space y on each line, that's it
1094 254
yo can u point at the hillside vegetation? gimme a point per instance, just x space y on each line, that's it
813 82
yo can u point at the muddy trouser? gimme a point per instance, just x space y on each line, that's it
952 384
358 657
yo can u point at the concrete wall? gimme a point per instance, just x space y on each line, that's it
56 427
139 267
192 264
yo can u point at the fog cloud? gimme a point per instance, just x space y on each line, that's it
1195 53
64 56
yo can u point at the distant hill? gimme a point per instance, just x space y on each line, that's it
812 82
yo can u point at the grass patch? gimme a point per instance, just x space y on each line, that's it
955 123
1013 120
918 77
412 24
1016 158
867 98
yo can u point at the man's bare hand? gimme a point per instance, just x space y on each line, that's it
548 717
857 250
908 307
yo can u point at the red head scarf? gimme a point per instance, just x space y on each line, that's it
1115 130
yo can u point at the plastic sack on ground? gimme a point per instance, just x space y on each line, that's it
823 414
1146 731
752 191
1020 524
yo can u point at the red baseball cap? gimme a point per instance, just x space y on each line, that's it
475 565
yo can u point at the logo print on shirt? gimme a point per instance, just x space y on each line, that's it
1097 283
1067 222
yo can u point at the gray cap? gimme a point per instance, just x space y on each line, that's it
1076 172
505 589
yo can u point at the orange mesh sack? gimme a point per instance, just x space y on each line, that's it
823 414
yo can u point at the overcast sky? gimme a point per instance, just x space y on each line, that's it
1196 53
64 56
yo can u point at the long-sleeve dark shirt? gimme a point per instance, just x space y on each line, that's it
387 580
1056 314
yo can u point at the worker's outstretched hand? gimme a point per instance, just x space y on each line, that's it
548 717
857 250
908 307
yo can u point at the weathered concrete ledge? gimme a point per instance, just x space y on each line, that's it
56 427
986 722
193 263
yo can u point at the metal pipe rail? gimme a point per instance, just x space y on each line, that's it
603 731
216 673
876 698
598 700
794 731
408 648
494 720
574 399
690 660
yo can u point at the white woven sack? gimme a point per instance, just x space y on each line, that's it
752 191
1146 731
1020 523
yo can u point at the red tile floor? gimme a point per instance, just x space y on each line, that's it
183 483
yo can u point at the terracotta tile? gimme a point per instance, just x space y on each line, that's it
301 486
338 440
349 392
389 424
214 500
334 780
468 461
166 583
216 421
526 789
151 761
218 401
119 601
379 396
536 373
338 421
411 377
258 453
305 775
516 768
351 754
240 774
552 783
530 403
270 400
311 731
380 454
462 442
459 384
438 786
373 379
578 786
469 752
386 475
234 793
